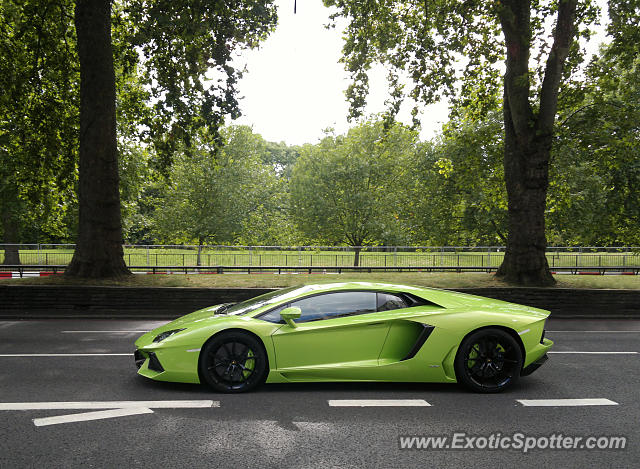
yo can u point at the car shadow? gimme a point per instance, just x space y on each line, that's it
341 387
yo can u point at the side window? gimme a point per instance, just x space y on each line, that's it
387 302
274 314
335 304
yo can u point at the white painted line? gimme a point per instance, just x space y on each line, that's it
66 355
102 332
86 416
600 353
378 403
595 332
564 402
186 404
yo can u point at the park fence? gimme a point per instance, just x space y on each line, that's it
464 257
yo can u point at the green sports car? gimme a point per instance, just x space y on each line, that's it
357 331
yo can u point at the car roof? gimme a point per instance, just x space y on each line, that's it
442 297
331 286
445 298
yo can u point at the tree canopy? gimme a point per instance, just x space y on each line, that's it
342 190
561 169
180 43
451 48
38 118
213 193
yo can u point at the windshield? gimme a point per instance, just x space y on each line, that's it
268 298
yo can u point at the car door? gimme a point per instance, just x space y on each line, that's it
338 328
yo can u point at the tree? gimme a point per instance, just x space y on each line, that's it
594 198
38 120
98 250
455 191
213 193
187 49
428 39
342 190
181 41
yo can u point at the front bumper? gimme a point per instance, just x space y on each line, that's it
173 364
534 366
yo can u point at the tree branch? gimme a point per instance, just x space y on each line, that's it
562 37
587 106
498 232
515 19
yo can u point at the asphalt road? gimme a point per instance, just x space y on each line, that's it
293 425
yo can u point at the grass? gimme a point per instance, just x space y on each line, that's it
267 280
259 257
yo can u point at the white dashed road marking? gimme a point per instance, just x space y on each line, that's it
184 404
101 332
595 332
378 403
115 409
564 402
599 353
86 416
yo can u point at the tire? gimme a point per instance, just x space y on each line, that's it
488 361
233 362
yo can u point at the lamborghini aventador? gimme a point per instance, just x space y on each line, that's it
356 331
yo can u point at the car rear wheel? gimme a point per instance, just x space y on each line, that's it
488 360
233 362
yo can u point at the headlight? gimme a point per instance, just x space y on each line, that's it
166 334
544 327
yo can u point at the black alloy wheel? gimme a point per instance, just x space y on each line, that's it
233 362
488 361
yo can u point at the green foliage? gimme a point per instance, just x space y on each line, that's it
594 196
173 76
344 190
282 157
374 185
456 194
211 195
446 48
38 116
187 47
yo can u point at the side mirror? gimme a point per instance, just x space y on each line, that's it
289 314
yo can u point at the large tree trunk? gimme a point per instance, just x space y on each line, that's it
10 229
528 137
526 169
99 244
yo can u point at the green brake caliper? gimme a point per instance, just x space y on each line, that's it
249 364
472 356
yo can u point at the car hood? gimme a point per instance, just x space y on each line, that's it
201 315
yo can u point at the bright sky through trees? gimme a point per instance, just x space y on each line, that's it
294 88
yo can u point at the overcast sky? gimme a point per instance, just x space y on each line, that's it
294 87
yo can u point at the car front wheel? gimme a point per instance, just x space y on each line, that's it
233 362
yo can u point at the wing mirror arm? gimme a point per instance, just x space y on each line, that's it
290 314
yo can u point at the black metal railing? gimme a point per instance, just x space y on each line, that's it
28 270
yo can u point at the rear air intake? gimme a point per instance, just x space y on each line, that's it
422 338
